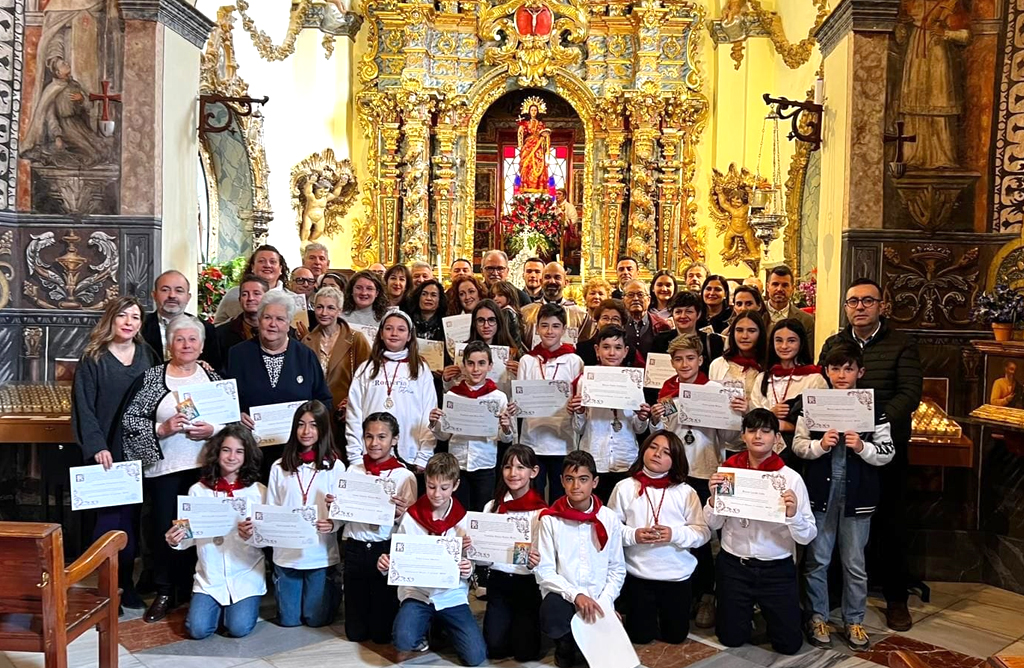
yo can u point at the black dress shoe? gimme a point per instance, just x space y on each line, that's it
158 609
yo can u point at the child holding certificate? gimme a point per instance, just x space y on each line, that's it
370 604
755 565
790 371
302 478
704 448
397 380
581 565
843 484
662 522
512 620
230 577
608 433
477 456
437 513
744 352
551 438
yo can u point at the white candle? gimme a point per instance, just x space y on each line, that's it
819 91
438 266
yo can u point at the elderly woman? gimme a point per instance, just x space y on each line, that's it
366 302
158 431
267 263
595 291
340 351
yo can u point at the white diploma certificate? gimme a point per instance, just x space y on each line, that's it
540 398
215 403
274 526
751 495
469 417
363 498
707 407
842 410
616 387
499 356
425 561
93 487
432 353
273 422
211 517
500 539
604 643
456 330
658 370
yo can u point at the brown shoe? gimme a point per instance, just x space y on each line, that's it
157 609
897 617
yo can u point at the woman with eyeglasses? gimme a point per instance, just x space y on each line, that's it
491 327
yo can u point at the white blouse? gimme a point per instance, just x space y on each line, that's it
283 489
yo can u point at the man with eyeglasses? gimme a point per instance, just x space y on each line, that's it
781 286
579 324
643 326
892 368
494 265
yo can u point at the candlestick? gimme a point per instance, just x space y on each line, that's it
819 91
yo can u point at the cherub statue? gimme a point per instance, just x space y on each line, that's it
730 208
323 190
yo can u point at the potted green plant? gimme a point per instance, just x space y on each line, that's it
1002 308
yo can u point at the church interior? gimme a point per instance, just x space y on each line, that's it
844 139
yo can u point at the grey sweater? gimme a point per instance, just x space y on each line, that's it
99 390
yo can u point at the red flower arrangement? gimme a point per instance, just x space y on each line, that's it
533 220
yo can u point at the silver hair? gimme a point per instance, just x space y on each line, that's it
420 264
330 292
278 298
315 246
184 321
495 251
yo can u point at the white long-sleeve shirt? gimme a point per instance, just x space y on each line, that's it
404 485
228 569
722 371
283 490
754 539
534 518
572 563
678 508
439 598
413 401
554 435
612 450
476 453
784 388
878 451
707 450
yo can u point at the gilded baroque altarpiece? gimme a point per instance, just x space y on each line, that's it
629 70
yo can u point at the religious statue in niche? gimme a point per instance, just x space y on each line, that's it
323 190
534 142
930 98
730 209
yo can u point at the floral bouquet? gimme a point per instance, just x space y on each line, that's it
214 282
807 291
534 221
1003 305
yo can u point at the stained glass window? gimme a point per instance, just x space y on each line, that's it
558 163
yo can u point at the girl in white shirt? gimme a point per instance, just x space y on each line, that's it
663 521
512 620
230 574
743 359
301 480
395 380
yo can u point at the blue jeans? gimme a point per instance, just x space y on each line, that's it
204 616
852 533
413 623
309 597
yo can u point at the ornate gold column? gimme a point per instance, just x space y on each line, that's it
611 127
416 108
687 243
668 188
450 116
644 109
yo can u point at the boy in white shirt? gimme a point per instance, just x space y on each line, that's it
437 513
582 566
551 438
755 565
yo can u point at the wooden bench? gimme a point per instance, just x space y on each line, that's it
40 608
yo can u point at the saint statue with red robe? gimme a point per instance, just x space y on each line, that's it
534 142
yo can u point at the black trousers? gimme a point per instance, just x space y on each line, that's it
476 488
550 475
556 617
655 610
370 604
704 577
887 548
512 620
744 583
172 569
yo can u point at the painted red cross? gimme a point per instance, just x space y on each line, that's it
107 98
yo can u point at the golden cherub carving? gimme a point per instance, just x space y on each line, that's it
730 209
323 190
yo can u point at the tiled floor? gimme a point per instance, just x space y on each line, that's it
961 626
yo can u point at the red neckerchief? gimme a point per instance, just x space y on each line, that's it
561 508
376 468
423 513
547 355
222 485
308 456
802 370
464 390
742 461
745 362
647 481
529 501
671 386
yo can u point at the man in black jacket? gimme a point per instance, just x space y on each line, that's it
893 370
172 293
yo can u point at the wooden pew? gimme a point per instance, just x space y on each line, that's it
41 609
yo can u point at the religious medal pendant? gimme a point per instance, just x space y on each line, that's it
219 540
616 425
688 438
389 403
